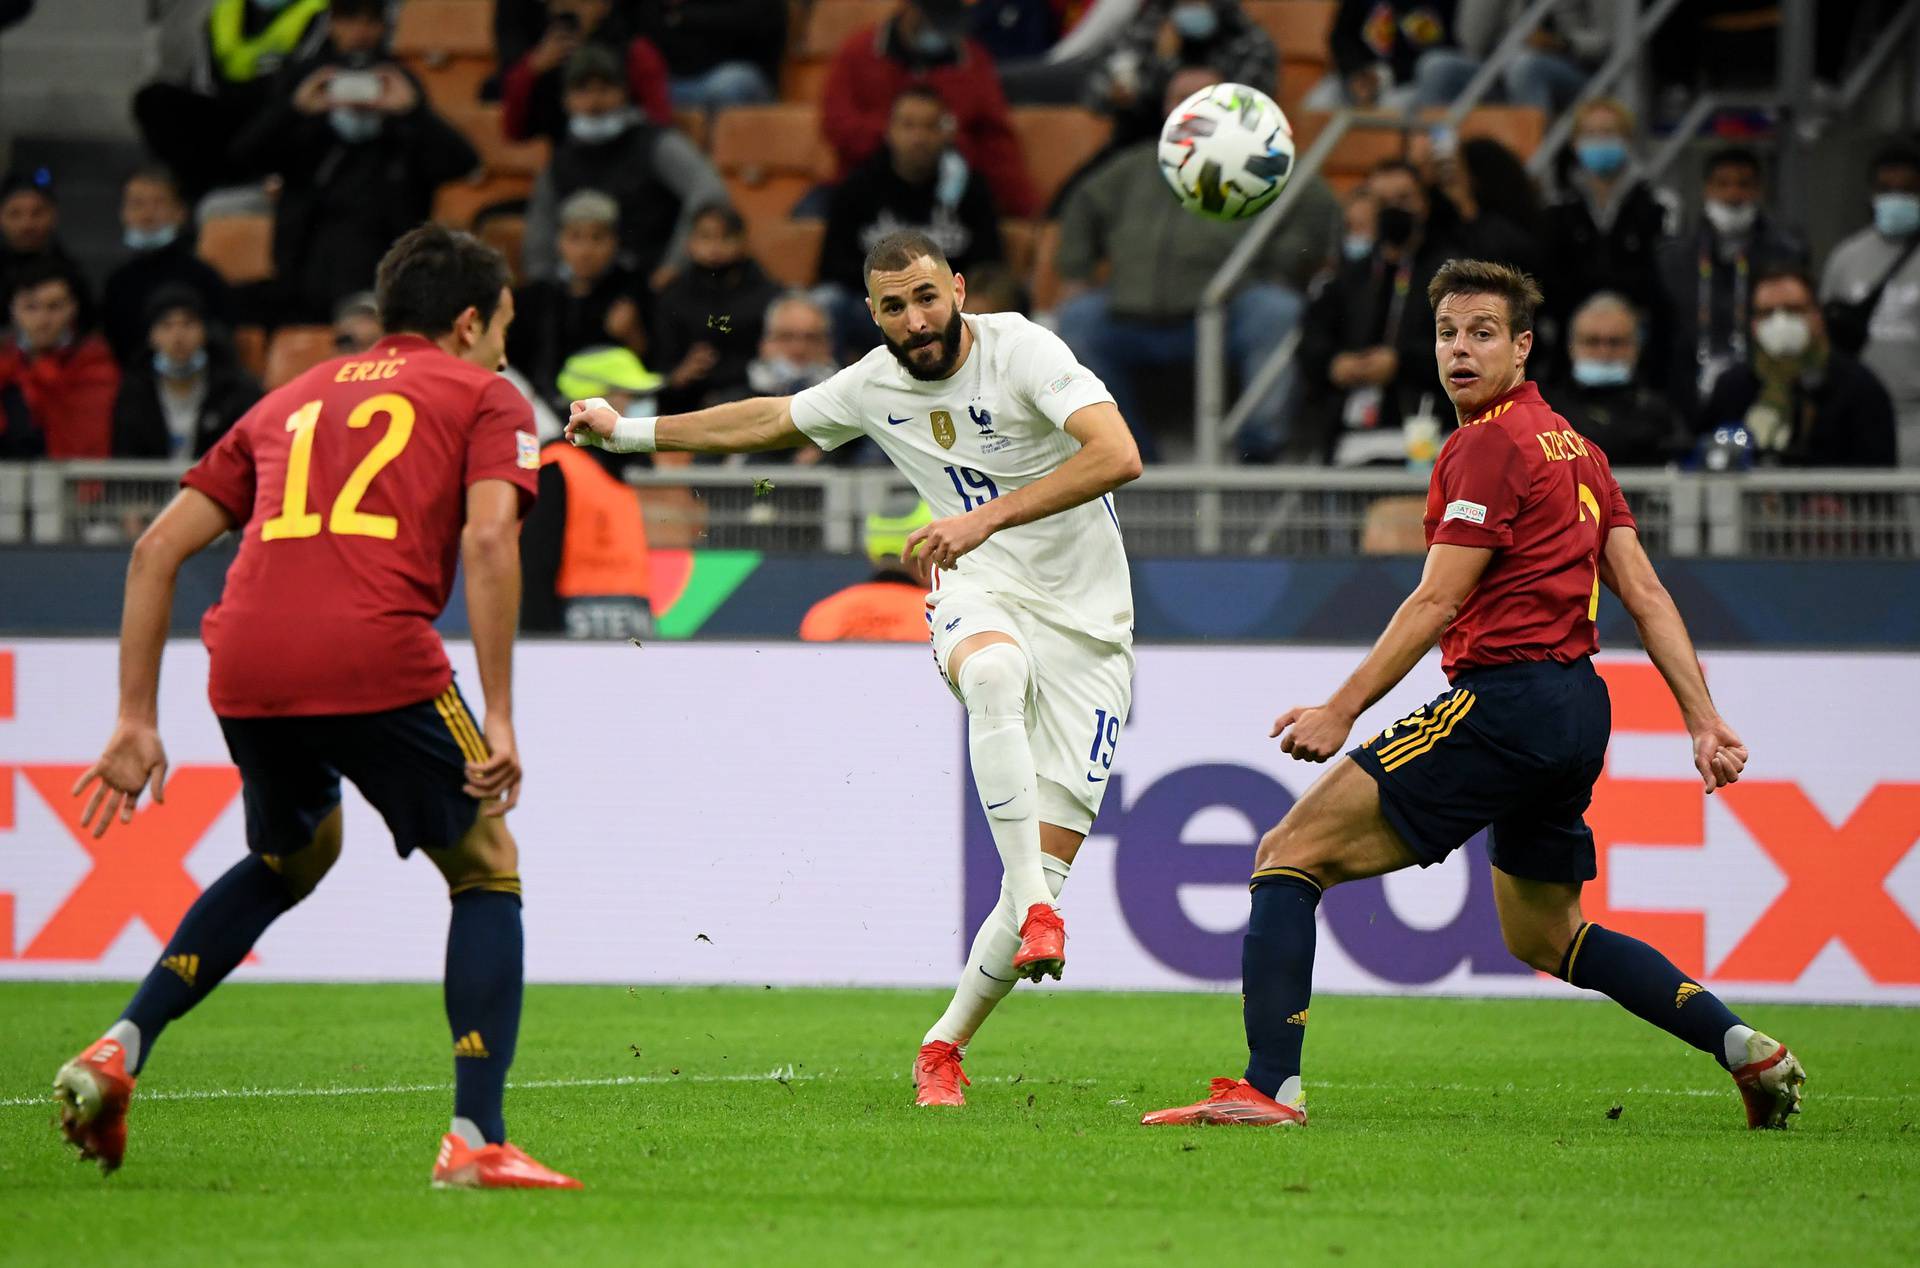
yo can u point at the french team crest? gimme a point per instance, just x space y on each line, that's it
943 428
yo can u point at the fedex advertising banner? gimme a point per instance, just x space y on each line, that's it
802 815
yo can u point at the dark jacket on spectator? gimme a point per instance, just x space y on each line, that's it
696 35
1583 258
140 418
874 200
1845 419
1729 301
656 175
123 304
1392 31
725 308
58 403
1633 425
342 204
872 67
550 323
533 104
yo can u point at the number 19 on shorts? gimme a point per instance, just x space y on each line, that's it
1106 739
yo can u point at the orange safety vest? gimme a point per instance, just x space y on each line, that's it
873 611
603 553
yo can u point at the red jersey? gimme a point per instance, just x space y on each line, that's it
350 485
1518 480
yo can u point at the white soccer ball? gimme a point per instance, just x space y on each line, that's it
1227 151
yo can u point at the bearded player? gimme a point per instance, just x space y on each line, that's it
1524 522
1015 446
355 489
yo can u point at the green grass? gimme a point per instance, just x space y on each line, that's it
1445 1131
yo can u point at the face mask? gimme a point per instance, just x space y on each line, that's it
355 127
1602 373
593 129
1732 219
150 239
1195 21
1603 156
779 376
931 43
167 368
1783 335
1395 226
1356 246
1896 215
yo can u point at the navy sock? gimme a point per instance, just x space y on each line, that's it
484 976
1276 974
1646 984
213 937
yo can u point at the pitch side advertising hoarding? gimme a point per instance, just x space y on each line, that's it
801 815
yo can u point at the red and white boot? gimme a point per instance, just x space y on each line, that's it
937 1076
1232 1102
1769 1082
502 1166
94 1091
1043 944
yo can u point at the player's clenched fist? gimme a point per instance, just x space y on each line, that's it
591 423
1318 732
942 542
1718 755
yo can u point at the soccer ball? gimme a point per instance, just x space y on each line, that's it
1227 152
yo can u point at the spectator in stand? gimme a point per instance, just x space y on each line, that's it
57 380
1391 54
1603 233
1159 260
592 299
718 52
191 126
1604 395
915 181
1547 74
535 87
993 288
1872 286
356 323
153 222
359 153
1366 353
1483 200
1803 402
708 319
796 353
888 607
30 229
1166 36
188 393
656 176
1706 276
925 41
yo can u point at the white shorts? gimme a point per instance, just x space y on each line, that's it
1076 704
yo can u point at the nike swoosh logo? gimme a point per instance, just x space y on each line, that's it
985 974
1092 780
995 805
897 421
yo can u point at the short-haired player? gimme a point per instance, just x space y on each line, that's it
1524 523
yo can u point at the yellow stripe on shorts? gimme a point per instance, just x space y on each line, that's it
1453 719
1401 743
444 707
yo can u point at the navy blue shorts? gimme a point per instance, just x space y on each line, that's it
1515 747
410 763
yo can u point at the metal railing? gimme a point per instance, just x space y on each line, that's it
1169 511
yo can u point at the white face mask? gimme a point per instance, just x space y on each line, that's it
1783 335
593 129
1732 219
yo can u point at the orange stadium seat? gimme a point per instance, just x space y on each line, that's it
1016 239
803 80
1298 28
694 123
443 29
1357 151
507 234
240 248
1056 141
480 123
1394 526
769 156
250 349
451 85
295 350
832 21
789 250
458 202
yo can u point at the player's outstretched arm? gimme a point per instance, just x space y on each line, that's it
1108 458
1718 754
1448 578
490 557
761 422
134 758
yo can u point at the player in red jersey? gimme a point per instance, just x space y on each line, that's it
1524 522
355 488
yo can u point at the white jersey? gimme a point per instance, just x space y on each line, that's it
994 426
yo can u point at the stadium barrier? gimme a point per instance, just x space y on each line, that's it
1169 511
801 815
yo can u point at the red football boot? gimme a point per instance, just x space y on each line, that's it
1769 1082
1043 944
94 1090
1231 1101
937 1075
502 1166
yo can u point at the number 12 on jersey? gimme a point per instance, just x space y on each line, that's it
346 518
965 478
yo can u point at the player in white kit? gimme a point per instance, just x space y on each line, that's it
1015 446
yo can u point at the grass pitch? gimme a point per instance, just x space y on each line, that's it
296 1125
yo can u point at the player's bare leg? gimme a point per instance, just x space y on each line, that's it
1543 927
485 975
95 1088
985 981
991 672
1335 833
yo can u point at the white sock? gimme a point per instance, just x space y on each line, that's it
993 682
127 1035
1736 1045
989 972
1291 1093
465 1129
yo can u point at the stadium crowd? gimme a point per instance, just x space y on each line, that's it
1685 326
